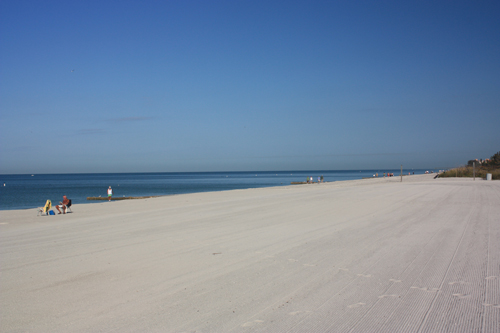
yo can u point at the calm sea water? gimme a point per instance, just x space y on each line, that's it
29 191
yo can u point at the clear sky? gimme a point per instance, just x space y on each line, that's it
166 86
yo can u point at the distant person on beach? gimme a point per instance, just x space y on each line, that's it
63 205
110 193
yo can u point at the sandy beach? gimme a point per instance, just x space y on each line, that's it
372 255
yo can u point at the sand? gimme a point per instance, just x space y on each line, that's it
371 255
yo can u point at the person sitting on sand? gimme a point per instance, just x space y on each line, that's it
63 204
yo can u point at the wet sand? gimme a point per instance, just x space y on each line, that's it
371 255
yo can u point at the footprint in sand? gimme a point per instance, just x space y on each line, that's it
357 305
298 312
493 305
460 296
385 296
365 275
457 282
252 323
429 290
491 277
395 281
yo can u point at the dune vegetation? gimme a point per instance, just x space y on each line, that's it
482 168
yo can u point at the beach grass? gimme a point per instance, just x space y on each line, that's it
468 171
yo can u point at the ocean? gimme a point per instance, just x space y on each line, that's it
30 191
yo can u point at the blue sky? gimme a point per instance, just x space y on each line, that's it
166 86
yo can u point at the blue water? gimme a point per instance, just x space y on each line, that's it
30 191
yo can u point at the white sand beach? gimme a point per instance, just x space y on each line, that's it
372 255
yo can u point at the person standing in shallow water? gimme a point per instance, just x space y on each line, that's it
110 193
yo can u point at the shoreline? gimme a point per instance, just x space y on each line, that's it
123 198
93 201
24 192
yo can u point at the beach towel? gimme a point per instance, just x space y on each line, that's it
47 207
